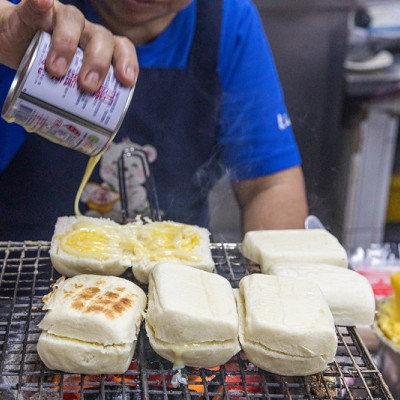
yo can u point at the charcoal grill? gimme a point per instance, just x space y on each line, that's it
26 275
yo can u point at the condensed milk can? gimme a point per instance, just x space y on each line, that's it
57 109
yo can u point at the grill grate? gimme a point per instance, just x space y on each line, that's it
26 275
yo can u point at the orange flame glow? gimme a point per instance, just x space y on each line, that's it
71 384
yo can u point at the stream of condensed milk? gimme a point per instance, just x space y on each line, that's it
88 172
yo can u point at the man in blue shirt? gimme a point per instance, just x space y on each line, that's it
207 96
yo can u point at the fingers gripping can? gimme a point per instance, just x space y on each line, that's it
57 109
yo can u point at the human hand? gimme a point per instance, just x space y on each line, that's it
69 28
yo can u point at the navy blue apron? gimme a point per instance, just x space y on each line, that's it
175 110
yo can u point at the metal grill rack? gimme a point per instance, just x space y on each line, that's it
25 276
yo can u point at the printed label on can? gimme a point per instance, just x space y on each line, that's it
104 108
59 129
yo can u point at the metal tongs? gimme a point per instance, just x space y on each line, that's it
149 184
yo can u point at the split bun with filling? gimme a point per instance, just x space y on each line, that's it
192 318
91 325
86 245
285 325
171 242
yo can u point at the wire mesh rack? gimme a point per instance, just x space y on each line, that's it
26 275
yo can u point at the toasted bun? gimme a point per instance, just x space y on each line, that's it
95 308
293 246
349 295
91 325
189 246
80 357
70 262
286 326
192 317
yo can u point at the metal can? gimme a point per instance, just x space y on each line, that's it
57 109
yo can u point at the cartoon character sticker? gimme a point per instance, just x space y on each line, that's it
103 200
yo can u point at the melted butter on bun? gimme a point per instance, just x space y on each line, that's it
155 241
87 245
91 240
160 240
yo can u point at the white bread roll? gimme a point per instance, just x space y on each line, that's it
285 325
192 317
98 252
293 246
100 246
349 295
79 357
95 319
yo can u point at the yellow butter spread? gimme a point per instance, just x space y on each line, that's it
154 241
160 240
86 239
389 313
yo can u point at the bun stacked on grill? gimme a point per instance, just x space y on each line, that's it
86 245
192 317
314 255
349 295
293 246
91 325
286 326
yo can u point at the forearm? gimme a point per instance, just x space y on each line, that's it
274 202
277 208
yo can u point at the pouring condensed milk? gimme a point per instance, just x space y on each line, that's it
58 110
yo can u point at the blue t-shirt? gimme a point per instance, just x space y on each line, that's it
255 130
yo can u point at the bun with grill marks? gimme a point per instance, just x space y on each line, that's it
91 325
